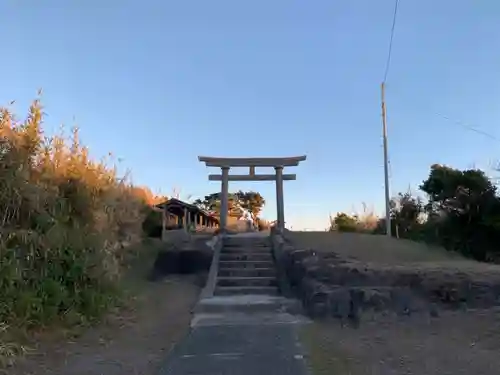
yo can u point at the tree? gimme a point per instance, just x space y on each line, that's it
205 204
212 203
452 191
466 210
248 200
251 201
344 223
406 211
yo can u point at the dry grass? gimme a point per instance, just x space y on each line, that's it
65 224
10 348
374 248
456 343
380 252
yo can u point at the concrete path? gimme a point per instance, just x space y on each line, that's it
240 349
241 334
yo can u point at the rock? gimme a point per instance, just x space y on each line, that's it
320 272
315 297
402 300
339 303
482 294
298 255
357 300
378 299
407 279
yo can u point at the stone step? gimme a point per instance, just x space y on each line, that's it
246 250
246 244
225 264
249 303
246 256
247 272
245 319
239 290
246 281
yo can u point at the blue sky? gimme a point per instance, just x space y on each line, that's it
160 82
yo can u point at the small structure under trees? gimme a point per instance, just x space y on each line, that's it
178 214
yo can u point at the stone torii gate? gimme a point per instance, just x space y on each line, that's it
226 163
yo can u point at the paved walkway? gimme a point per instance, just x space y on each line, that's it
243 349
240 335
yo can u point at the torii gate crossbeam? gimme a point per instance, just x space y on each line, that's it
277 163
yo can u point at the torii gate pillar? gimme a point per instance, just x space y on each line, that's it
280 203
224 189
278 163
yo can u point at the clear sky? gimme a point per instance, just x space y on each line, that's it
160 82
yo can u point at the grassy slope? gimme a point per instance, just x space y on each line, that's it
386 251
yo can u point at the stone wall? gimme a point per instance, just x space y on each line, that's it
330 286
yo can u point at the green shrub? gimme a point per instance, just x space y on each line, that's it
344 223
65 223
152 224
462 213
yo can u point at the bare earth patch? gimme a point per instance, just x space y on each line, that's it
456 343
131 341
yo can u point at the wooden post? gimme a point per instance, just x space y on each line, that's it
189 221
184 219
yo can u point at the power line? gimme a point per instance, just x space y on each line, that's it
469 127
388 62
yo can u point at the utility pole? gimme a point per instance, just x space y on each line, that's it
386 167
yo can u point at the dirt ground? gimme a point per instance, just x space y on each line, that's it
454 343
132 340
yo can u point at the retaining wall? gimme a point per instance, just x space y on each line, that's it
330 286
